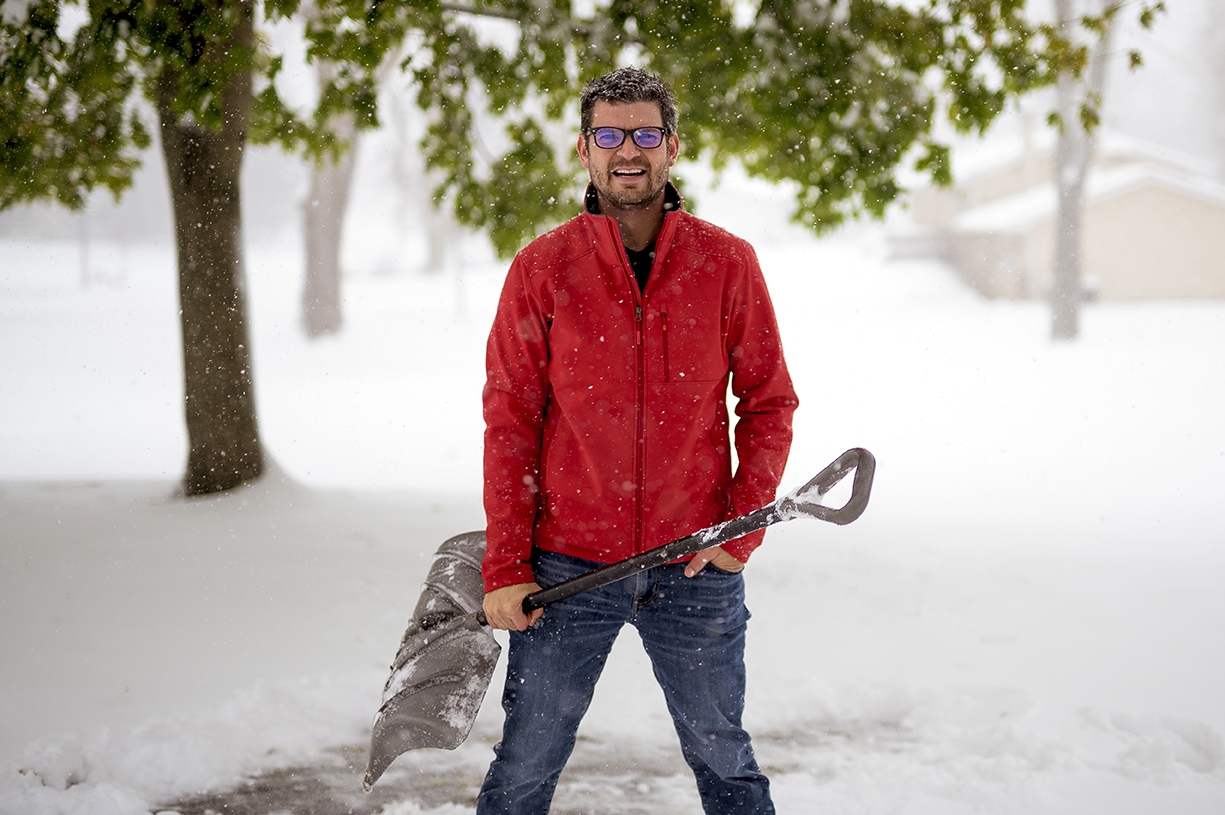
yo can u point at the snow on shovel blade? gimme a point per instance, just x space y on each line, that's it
444 665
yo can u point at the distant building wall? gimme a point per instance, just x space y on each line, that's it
1153 243
1153 225
1154 240
1040 259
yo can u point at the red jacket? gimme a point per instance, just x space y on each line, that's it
605 407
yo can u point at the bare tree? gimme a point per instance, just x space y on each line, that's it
415 184
1079 97
327 201
323 216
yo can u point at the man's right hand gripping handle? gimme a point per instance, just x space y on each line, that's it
504 607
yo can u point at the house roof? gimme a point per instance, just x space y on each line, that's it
1017 213
1008 146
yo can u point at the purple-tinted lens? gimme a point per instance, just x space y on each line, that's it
648 137
610 138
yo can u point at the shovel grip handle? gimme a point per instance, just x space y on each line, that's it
804 502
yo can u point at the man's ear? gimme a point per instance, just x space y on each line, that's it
582 149
674 148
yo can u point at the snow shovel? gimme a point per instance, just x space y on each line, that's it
447 655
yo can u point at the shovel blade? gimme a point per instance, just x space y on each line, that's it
433 698
444 666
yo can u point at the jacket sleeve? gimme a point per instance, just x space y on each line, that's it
516 389
765 403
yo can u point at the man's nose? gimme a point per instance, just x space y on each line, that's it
628 149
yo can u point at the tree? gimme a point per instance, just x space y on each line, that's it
835 96
73 121
204 165
323 212
1076 116
323 224
1079 91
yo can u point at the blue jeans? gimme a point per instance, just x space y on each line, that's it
692 630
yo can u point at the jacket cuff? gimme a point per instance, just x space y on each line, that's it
510 575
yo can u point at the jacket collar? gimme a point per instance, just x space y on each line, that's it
607 236
672 199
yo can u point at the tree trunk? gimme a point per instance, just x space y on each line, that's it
204 168
323 222
1073 151
1069 183
415 186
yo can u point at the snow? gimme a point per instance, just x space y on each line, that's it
1026 619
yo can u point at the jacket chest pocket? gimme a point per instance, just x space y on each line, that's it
684 346
663 328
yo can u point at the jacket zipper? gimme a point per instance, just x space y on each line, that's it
639 453
640 408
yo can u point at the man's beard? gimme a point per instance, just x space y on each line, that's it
622 198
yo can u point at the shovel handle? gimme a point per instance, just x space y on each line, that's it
803 502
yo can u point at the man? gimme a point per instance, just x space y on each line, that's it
607 434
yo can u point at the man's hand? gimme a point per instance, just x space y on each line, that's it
717 556
504 607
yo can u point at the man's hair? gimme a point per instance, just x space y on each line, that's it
625 86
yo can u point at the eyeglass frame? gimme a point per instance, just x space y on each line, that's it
664 133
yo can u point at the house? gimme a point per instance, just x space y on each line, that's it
1153 223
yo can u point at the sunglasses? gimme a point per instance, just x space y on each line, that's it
610 138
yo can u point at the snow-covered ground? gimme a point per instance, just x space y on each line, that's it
1028 618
